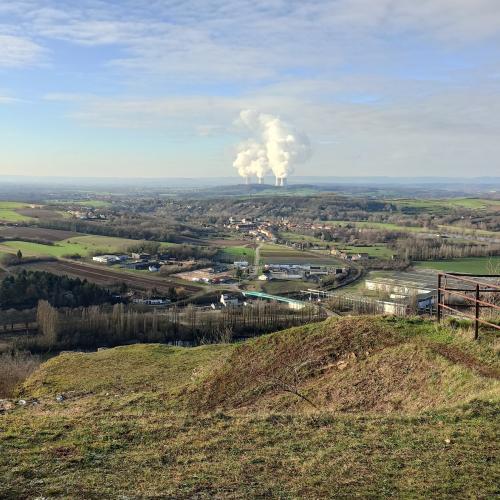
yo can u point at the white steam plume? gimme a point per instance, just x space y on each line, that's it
251 160
281 147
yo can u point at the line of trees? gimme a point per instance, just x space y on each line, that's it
431 249
97 326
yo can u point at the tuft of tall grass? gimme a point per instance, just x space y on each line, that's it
15 367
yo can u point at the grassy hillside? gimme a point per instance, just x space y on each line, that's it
366 407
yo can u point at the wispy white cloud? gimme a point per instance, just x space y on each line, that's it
252 40
17 51
4 99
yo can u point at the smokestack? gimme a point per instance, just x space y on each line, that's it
277 183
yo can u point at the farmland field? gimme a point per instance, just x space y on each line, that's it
472 265
9 211
91 203
94 203
239 253
104 275
273 254
379 225
82 245
439 205
413 229
295 237
22 232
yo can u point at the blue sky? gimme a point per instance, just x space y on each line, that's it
136 88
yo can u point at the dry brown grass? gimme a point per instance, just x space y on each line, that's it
15 368
343 365
281 363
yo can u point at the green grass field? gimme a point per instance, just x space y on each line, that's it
92 203
472 265
302 238
446 204
239 253
378 250
383 408
378 225
275 254
8 211
414 229
82 245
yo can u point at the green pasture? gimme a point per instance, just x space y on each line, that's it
273 254
238 253
379 225
472 265
440 205
92 203
8 211
82 245
413 229
298 238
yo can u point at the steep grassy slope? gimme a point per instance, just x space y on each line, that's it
364 407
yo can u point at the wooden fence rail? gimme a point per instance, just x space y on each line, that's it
477 301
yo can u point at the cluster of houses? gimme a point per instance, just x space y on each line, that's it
261 230
91 215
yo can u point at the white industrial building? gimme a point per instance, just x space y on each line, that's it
106 259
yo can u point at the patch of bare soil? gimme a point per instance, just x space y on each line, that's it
105 276
460 357
39 213
18 233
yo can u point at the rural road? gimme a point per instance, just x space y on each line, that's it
256 260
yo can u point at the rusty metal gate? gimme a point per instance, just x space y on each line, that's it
475 293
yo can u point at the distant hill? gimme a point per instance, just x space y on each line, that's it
352 407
